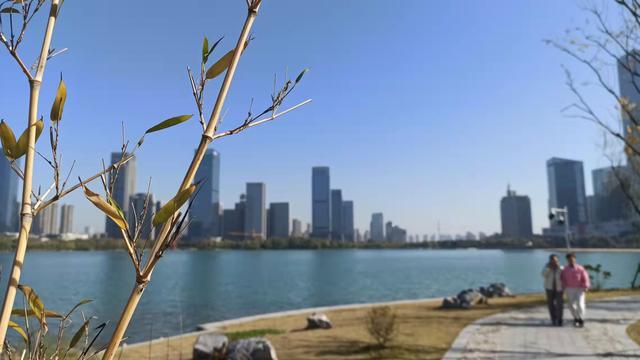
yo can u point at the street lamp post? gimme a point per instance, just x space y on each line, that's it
561 215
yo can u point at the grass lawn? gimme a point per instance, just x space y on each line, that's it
634 331
424 332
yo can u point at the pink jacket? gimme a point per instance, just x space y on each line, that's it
575 277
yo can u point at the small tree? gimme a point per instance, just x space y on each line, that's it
381 325
597 275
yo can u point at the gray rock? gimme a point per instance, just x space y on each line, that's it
470 297
211 346
318 321
257 348
451 303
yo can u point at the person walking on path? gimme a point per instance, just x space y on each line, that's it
553 288
575 281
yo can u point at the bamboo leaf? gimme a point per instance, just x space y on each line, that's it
47 313
221 65
112 212
34 303
84 330
301 75
23 140
169 123
19 330
205 50
58 103
8 139
171 207
10 10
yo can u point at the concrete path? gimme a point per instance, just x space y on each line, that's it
526 334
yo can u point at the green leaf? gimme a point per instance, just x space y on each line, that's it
23 140
205 50
8 139
34 303
301 75
58 103
84 330
171 207
47 313
169 123
114 213
10 10
221 65
19 330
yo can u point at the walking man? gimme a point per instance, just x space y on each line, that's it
575 281
553 287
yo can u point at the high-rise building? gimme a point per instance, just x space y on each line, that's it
566 188
46 222
515 213
9 209
278 220
609 200
123 187
140 202
296 228
66 219
336 215
348 233
628 81
255 222
377 227
321 202
205 210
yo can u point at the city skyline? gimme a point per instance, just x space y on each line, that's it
449 184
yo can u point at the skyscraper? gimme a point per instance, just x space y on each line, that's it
336 215
628 81
9 209
279 220
139 201
515 214
347 221
46 222
296 228
377 227
255 222
609 200
566 188
123 187
321 202
66 219
205 211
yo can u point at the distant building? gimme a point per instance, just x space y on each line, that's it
336 215
46 222
9 206
388 231
278 220
123 187
566 188
377 227
255 221
205 210
139 202
515 213
296 228
395 233
348 233
66 219
321 202
609 202
628 81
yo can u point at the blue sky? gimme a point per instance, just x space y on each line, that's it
424 110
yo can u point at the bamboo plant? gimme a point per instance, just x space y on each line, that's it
15 18
170 221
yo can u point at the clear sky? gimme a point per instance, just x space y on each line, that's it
424 110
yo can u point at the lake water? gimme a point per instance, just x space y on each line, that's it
194 287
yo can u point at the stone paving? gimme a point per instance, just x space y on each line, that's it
526 334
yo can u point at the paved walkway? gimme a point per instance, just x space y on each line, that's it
526 334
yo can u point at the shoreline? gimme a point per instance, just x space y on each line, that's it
588 250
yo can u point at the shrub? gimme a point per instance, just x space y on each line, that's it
381 325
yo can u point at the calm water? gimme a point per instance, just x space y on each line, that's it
194 287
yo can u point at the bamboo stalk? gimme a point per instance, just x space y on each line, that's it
26 214
143 279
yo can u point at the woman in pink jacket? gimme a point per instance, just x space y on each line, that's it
575 281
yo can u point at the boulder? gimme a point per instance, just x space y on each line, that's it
257 348
450 303
471 297
211 346
496 290
318 321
